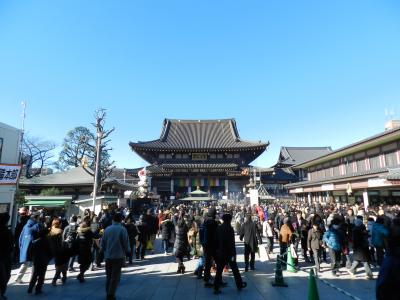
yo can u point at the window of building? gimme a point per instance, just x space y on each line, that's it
229 155
185 155
220 155
236 155
360 165
328 172
168 155
391 159
336 170
161 155
213 155
178 155
349 167
374 162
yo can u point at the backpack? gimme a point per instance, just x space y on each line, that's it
203 234
70 235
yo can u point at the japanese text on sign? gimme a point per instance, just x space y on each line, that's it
9 174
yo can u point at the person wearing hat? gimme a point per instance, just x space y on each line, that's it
28 234
226 254
6 248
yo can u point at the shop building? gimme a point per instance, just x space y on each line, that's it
367 171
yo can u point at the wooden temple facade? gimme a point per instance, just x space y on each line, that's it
198 153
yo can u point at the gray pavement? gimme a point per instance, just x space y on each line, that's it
156 278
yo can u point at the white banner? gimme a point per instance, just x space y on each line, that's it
254 197
9 174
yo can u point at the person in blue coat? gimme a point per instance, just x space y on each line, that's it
379 238
28 234
332 239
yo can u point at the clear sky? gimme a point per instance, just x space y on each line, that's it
295 73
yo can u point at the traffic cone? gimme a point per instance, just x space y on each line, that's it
312 287
278 274
290 262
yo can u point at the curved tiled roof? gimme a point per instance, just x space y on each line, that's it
297 155
199 134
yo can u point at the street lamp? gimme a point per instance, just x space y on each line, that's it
96 174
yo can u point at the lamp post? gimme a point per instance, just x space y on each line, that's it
96 174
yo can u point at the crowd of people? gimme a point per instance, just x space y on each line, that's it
347 235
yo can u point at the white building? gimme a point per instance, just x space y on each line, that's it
9 169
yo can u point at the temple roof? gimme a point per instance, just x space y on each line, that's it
199 135
290 156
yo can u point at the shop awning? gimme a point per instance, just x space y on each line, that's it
46 203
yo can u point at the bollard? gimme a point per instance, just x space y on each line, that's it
312 287
290 262
278 274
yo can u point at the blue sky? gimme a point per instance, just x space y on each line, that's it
295 73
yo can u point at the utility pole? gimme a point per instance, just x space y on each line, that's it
13 212
99 134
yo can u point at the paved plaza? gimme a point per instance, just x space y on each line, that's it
156 278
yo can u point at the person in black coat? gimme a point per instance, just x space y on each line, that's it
59 251
360 249
143 236
41 255
85 243
181 245
226 253
132 234
252 238
6 248
389 273
314 244
209 243
167 231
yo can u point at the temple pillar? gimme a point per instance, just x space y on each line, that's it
226 186
172 186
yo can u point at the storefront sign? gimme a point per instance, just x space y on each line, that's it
327 187
299 190
377 182
9 174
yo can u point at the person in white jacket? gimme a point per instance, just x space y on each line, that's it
268 232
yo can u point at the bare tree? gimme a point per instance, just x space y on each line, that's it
105 165
36 155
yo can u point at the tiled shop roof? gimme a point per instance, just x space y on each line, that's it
199 134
